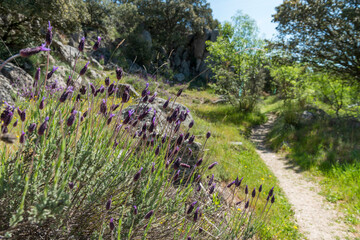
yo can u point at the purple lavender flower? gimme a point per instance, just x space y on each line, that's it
197 178
149 214
71 119
65 94
200 230
176 164
273 199
212 165
135 210
211 180
208 134
48 36
144 114
212 188
199 162
68 81
176 176
157 150
191 207
137 175
179 92
42 104
271 191
107 81
49 75
163 139
83 90
114 107
238 182
108 204
103 107
111 224
119 73
27 52
196 214
78 97
166 104
101 89
152 99
125 97
253 193
190 152
180 139
153 168
191 139
8 119
81 44
247 204
191 124
230 184
260 188
177 126
111 88
22 138
4 129
97 44
128 117
71 185
37 77
110 118
32 127
43 127
184 165
15 123
83 70
239 202
198 188
246 189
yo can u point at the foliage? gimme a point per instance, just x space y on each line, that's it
323 33
236 60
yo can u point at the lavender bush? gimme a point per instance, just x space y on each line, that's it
81 169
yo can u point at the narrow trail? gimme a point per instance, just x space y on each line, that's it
317 218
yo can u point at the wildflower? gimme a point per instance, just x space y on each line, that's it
238 202
212 188
43 127
37 77
211 180
22 115
135 210
42 104
177 126
137 175
145 90
247 204
157 150
27 52
179 92
15 123
125 96
64 96
238 182
197 178
180 139
114 107
190 152
149 214
163 139
103 107
174 114
49 75
208 134
8 118
199 162
83 70
253 194
153 168
176 164
273 199
116 143
230 184
101 89
152 99
48 36
71 119
110 118
145 99
186 136
196 214
22 138
81 44
191 139
119 73
97 44
78 97
144 114
152 126
191 124
191 207
83 90
246 189
260 188
108 204
68 81
4 129
198 188
200 230
166 103
212 165
271 192
176 176
32 127
184 165
71 185
111 224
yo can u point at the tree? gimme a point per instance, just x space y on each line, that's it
236 59
323 33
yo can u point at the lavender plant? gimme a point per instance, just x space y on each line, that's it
91 171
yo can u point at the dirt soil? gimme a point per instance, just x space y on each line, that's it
317 218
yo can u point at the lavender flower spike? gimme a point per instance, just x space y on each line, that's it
27 52
111 224
212 165
149 214
119 73
97 44
81 44
48 36
22 138
108 204
42 104
49 75
196 214
191 207
83 70
137 175
135 210
43 127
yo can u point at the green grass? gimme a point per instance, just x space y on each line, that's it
329 151
229 125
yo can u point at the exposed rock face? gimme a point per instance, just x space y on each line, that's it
132 92
12 80
67 53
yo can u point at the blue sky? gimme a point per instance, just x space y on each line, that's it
259 10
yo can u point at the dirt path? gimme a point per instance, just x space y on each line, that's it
316 217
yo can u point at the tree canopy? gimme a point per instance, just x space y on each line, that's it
323 33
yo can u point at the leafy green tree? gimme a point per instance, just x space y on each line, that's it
236 59
324 33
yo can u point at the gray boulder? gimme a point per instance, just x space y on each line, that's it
6 90
122 87
67 53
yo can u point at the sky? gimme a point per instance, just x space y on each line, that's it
259 10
